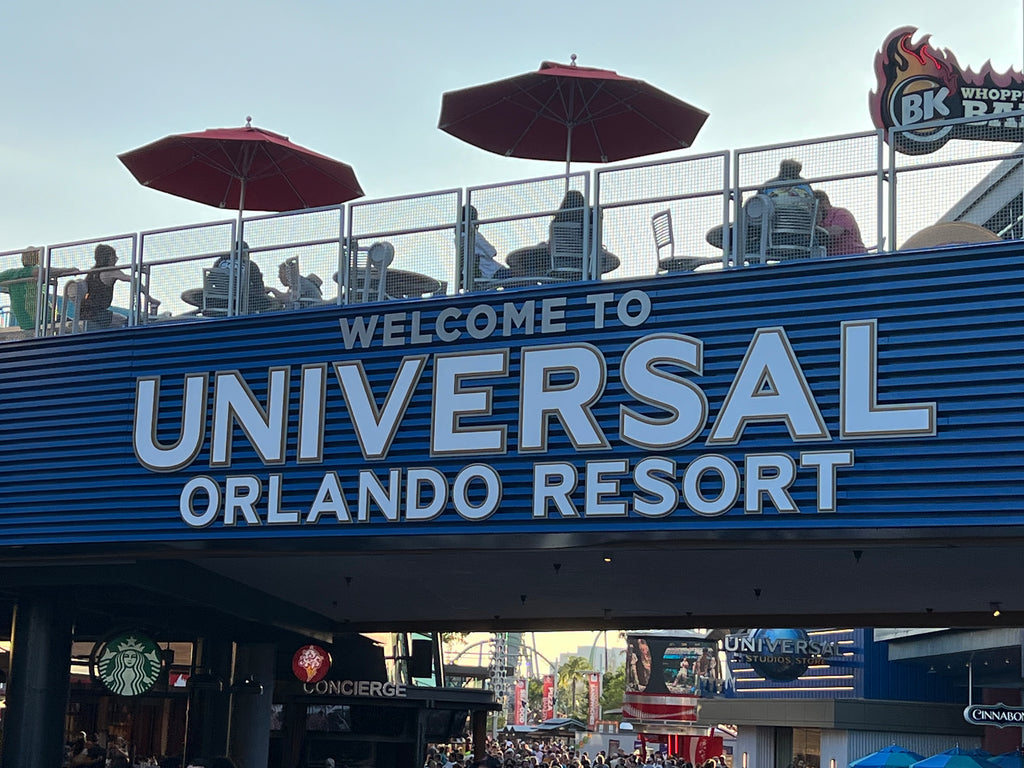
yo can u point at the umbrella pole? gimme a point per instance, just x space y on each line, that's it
235 295
568 155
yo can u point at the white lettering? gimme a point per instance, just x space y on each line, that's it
826 462
375 427
769 387
771 474
234 402
562 382
654 476
461 500
416 479
555 483
150 452
453 401
860 414
728 478
645 379
187 507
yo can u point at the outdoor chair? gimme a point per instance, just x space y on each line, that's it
791 232
757 216
664 243
216 291
369 277
565 245
661 225
69 318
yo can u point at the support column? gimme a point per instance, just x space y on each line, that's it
250 714
37 689
209 711
480 734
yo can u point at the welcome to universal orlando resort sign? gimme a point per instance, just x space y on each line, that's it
440 416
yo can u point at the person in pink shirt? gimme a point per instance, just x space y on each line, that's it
843 232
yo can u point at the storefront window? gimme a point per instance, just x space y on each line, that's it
806 748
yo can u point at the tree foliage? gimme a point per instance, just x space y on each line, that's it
614 687
572 687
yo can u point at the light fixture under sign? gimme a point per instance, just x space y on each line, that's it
248 684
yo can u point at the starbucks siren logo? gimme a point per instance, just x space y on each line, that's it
128 664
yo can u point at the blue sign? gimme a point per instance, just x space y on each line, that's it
876 391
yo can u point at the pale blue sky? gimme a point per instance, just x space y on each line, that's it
362 81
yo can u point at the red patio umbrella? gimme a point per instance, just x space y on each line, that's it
579 113
242 168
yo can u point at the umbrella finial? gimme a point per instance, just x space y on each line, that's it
248 121
572 60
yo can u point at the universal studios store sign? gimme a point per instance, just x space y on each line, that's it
384 432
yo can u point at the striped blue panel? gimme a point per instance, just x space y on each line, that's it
949 333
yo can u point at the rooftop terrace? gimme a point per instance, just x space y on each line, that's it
616 229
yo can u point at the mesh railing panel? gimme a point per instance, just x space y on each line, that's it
421 230
974 181
174 260
845 167
312 237
891 197
19 289
71 263
515 218
692 190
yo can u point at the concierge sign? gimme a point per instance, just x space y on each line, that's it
879 392
918 83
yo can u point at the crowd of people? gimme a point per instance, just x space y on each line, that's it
112 751
553 754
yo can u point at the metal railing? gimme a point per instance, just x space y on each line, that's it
624 221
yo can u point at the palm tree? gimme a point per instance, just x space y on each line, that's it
569 674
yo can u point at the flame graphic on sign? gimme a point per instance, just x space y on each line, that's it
899 61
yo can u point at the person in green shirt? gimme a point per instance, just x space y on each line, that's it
21 284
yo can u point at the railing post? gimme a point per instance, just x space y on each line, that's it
892 189
880 192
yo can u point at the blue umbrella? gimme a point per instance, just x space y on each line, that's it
890 757
954 758
1013 759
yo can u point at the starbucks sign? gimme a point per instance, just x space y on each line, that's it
128 664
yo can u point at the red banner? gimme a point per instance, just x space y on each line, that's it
695 749
519 713
594 679
548 702
646 707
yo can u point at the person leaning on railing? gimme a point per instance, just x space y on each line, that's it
21 284
843 233
99 289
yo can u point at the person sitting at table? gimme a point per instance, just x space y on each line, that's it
843 232
485 262
257 294
20 283
788 182
308 288
99 290
573 207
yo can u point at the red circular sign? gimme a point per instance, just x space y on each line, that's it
311 663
